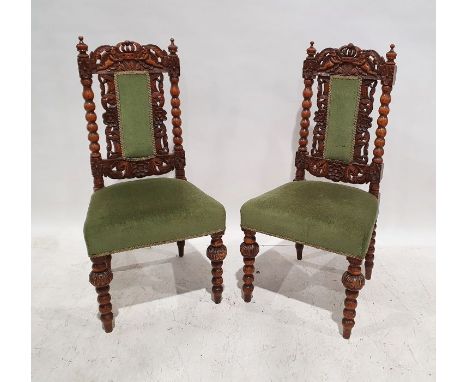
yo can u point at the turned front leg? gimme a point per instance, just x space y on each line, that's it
353 280
216 252
249 249
100 277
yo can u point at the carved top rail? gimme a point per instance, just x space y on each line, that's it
349 60
131 56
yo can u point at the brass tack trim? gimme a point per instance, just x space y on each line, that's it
303 242
156 243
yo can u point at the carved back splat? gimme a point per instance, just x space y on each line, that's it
349 60
104 62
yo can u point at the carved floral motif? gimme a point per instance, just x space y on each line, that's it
349 60
343 172
120 168
127 55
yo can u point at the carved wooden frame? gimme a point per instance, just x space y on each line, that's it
348 60
104 62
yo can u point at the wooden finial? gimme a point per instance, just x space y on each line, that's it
172 48
311 50
81 46
391 54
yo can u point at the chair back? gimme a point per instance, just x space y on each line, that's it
347 78
131 79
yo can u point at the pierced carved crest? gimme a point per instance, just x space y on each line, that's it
349 60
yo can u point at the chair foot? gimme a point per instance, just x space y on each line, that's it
353 280
249 249
216 252
180 246
369 263
100 277
299 248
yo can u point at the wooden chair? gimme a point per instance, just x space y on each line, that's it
326 215
145 212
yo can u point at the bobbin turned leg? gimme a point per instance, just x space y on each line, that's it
180 246
109 261
353 280
299 248
216 252
369 263
249 249
100 277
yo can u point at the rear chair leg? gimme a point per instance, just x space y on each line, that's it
180 246
299 248
216 252
249 249
353 280
369 263
100 277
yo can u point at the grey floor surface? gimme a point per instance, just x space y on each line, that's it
168 329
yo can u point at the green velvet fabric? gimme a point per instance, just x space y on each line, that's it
343 103
135 114
144 212
324 215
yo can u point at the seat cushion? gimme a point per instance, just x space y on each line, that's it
324 215
144 212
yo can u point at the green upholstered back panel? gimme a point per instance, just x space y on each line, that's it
135 114
343 106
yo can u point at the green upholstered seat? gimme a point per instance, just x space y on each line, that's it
149 211
324 215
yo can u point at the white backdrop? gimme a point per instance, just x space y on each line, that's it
241 92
